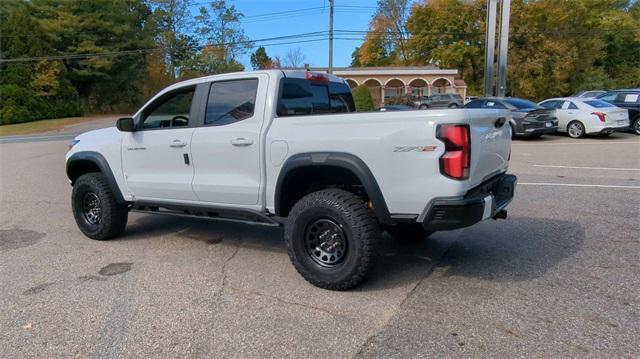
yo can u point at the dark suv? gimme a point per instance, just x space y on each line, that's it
629 99
529 119
450 100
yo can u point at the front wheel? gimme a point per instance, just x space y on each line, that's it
423 107
454 105
576 129
95 209
329 238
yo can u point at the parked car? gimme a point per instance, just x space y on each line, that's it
450 100
395 108
628 99
589 94
528 119
285 148
584 116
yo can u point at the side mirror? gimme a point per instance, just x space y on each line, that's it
125 124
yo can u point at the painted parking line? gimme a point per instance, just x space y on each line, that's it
578 143
590 168
574 185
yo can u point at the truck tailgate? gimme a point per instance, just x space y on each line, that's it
490 143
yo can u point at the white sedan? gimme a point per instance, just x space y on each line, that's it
581 116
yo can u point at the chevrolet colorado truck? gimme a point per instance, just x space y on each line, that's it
286 148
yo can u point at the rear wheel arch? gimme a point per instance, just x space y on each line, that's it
304 173
84 162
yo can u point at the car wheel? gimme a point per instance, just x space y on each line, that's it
95 209
513 131
453 105
423 107
576 129
409 232
329 237
635 126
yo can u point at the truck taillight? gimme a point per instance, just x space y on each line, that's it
601 115
455 161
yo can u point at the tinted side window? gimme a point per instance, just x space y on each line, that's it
231 101
627 97
609 97
304 97
550 104
171 110
572 106
493 104
474 104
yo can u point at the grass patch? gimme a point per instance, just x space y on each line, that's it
39 126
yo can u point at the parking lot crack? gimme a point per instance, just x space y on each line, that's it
223 270
284 301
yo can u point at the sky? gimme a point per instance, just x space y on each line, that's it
348 15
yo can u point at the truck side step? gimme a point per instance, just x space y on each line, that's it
215 213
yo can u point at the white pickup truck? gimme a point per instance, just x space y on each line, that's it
273 147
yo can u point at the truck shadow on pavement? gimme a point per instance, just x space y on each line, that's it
518 249
397 263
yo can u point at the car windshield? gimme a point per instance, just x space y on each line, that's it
598 103
520 103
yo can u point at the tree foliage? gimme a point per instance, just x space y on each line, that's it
556 47
112 54
362 99
260 60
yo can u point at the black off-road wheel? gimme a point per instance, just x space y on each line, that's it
635 125
95 209
329 237
408 233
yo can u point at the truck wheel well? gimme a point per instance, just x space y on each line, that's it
79 167
301 181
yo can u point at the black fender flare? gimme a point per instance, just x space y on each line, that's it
99 160
337 159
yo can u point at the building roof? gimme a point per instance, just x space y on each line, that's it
459 82
388 70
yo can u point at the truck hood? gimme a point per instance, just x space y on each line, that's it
109 134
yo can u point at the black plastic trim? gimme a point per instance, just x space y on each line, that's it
203 211
342 160
453 213
102 164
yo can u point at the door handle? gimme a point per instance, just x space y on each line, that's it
177 143
242 142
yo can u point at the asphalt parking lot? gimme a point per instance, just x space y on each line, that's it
559 278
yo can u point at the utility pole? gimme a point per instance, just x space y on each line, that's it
489 47
503 47
330 36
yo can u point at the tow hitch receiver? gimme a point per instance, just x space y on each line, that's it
501 214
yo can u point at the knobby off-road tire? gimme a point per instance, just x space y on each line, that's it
95 209
329 238
409 232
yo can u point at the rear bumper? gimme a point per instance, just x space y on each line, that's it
533 128
608 129
480 203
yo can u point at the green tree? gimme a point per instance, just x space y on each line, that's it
362 98
260 60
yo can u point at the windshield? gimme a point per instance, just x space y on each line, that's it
520 103
598 103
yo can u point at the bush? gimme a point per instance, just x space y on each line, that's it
400 100
19 104
362 98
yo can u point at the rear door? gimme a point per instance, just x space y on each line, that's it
226 149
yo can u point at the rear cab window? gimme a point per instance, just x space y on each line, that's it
300 97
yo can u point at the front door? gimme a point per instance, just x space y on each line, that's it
156 158
226 149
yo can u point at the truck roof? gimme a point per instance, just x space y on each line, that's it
273 72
